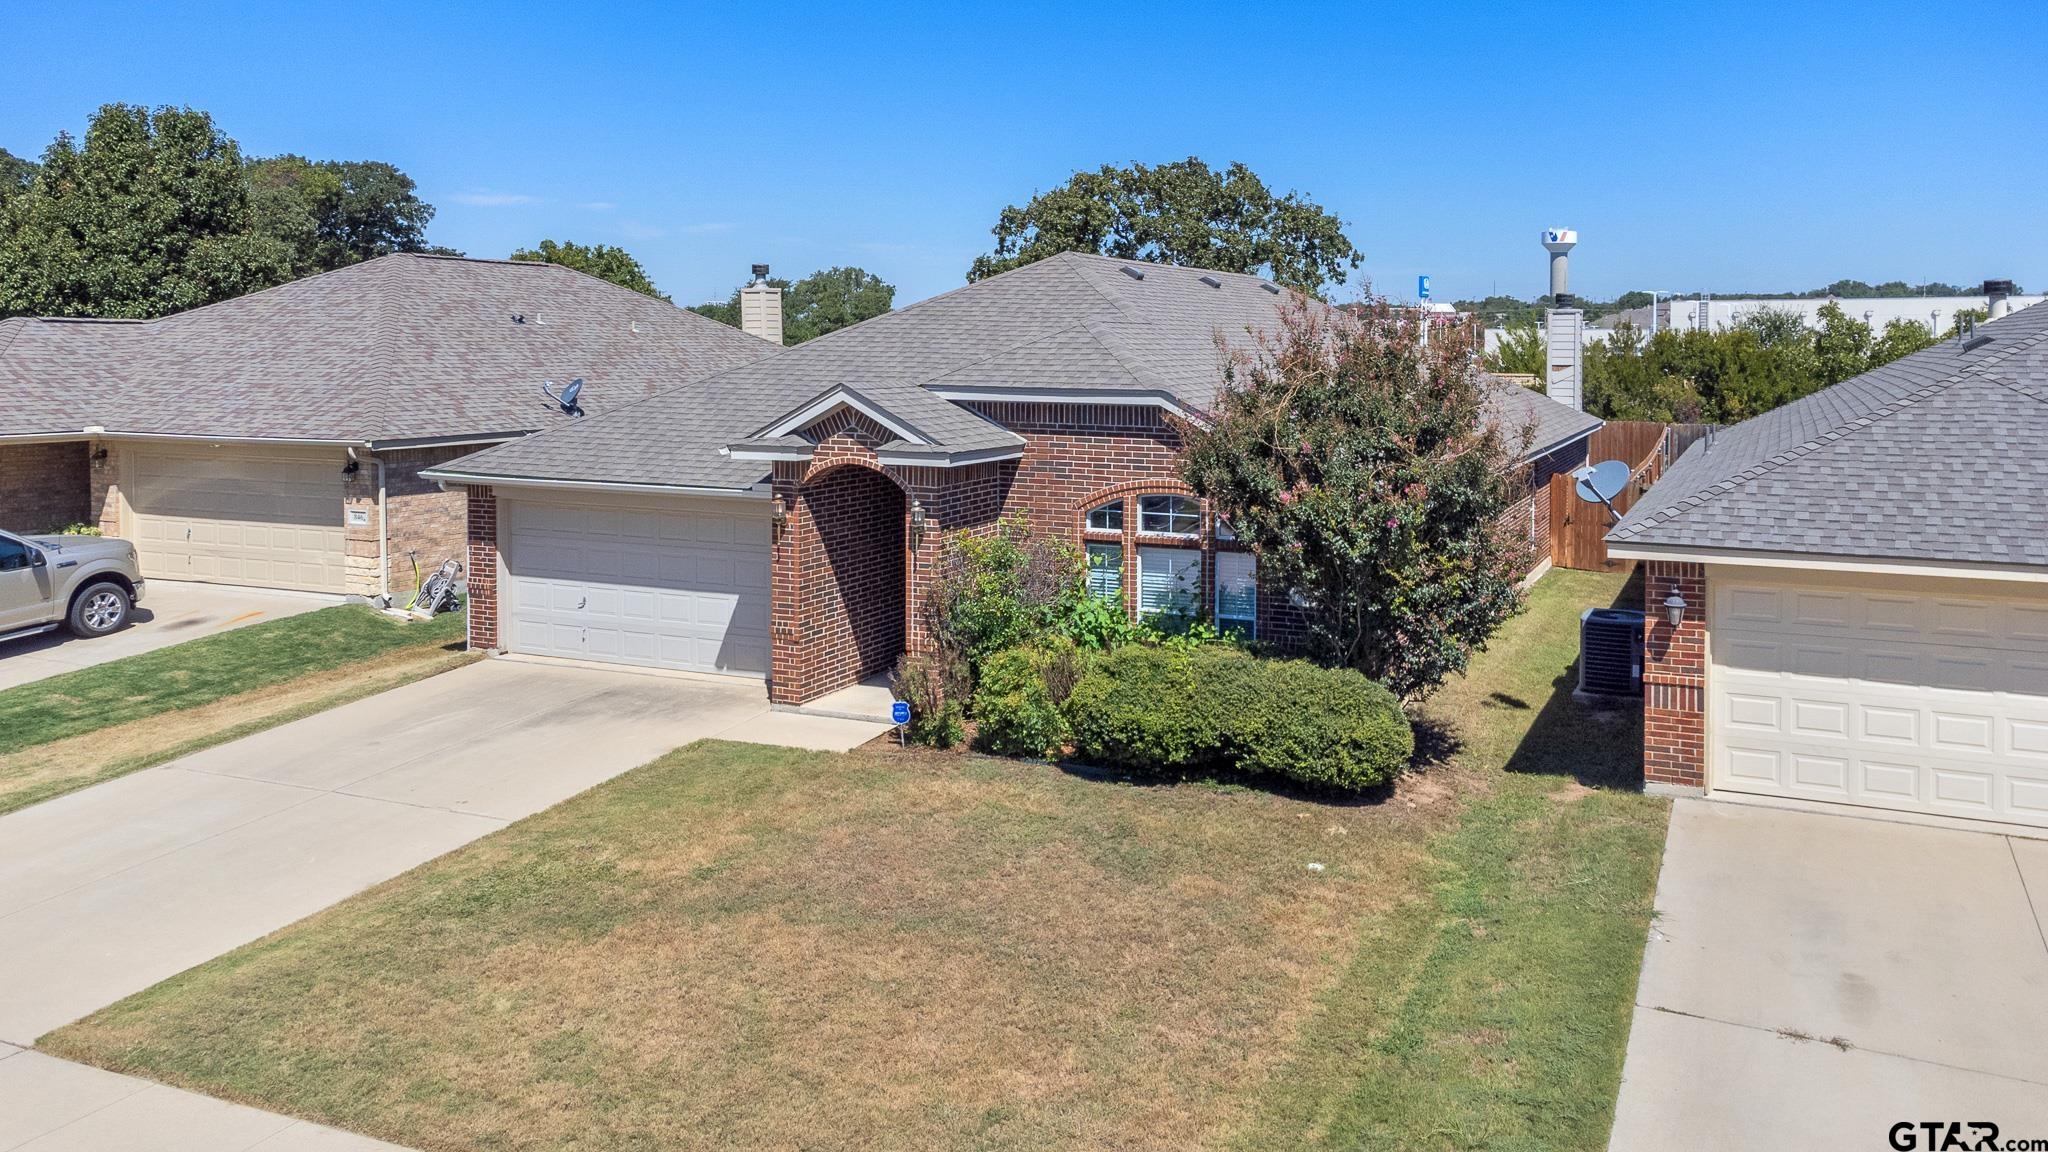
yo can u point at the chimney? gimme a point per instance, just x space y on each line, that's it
1564 326
761 307
1997 298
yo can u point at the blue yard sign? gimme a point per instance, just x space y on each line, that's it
1422 287
899 712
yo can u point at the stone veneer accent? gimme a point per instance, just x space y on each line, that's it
1675 677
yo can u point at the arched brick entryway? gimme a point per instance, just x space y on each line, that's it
841 568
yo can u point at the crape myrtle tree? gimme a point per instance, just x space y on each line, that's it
1364 467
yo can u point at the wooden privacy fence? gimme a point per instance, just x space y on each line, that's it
1578 528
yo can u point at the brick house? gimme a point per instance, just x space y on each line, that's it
782 519
277 439
1848 596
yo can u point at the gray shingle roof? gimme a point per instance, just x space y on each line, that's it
1073 323
1941 455
1550 423
401 347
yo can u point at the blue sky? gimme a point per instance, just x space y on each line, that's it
1725 147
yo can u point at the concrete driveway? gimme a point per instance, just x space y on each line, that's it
106 891
170 613
1812 980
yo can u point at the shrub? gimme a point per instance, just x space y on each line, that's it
1018 696
1145 709
1324 727
1000 590
933 684
1190 711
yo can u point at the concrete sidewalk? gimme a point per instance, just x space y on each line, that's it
51 1105
1812 980
109 890
171 612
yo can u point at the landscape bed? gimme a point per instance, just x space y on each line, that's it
744 946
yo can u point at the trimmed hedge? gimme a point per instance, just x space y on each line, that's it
1160 711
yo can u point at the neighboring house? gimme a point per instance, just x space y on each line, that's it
782 519
277 439
1864 581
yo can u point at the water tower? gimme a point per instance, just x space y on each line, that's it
1563 325
1559 242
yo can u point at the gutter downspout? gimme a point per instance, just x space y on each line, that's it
383 535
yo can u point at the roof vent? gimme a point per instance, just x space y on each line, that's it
1271 287
1133 273
1212 282
519 317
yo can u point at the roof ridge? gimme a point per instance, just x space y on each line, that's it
1092 286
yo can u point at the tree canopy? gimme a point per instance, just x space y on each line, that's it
1768 358
1182 213
825 301
1360 465
157 212
15 173
337 212
600 260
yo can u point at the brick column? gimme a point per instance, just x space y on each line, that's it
1675 677
483 569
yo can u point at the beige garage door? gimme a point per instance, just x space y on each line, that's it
1922 695
674 582
264 517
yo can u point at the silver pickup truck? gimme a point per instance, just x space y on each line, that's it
85 582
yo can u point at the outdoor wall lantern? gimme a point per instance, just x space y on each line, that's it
1674 609
779 515
916 523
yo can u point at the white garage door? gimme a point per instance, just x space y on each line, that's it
1924 695
677 583
258 516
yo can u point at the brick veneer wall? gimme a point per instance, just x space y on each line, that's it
852 616
423 518
44 486
1675 677
482 544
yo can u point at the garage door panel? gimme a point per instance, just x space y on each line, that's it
1932 702
2027 738
668 585
1812 773
243 516
2028 796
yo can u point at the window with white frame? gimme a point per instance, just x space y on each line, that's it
1107 517
1168 580
1106 572
1169 515
1237 593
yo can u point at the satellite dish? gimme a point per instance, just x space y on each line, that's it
567 400
1602 482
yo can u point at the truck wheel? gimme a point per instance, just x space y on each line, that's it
99 609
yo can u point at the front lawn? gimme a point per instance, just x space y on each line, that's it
69 731
739 946
1496 1014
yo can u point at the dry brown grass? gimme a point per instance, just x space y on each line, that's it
37 773
749 947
